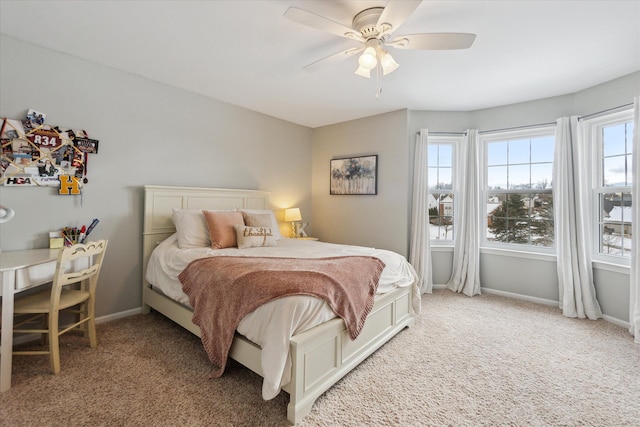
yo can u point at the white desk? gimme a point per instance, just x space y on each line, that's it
20 270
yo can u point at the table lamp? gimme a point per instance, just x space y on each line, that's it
292 215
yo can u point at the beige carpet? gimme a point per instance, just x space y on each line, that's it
481 361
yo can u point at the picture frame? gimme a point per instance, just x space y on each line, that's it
354 175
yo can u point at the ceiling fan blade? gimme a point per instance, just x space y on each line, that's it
332 59
434 41
395 13
321 23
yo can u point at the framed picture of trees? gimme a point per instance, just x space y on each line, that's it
354 175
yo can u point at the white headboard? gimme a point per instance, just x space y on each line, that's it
159 202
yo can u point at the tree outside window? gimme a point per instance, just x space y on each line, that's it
518 188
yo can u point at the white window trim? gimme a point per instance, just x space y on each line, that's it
484 140
592 130
454 141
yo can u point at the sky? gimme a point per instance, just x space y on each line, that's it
528 162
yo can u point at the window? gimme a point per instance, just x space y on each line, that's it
517 188
441 188
611 138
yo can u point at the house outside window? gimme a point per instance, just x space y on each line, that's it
442 191
517 197
611 139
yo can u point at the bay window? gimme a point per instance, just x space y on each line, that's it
442 188
612 147
517 189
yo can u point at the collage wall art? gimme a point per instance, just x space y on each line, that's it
37 154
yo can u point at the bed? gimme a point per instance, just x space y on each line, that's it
318 354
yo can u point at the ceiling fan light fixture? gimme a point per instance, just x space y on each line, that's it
389 65
368 59
363 72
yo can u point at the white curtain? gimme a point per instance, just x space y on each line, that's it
420 254
634 294
465 276
571 189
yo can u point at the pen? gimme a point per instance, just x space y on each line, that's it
92 226
67 240
82 233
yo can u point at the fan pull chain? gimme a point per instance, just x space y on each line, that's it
378 82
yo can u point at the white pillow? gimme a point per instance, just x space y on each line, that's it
191 228
252 237
275 228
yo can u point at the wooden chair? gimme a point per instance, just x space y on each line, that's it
47 304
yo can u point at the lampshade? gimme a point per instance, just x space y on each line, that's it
388 63
363 72
6 214
368 58
292 214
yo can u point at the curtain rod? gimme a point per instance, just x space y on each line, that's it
445 133
518 127
605 111
532 126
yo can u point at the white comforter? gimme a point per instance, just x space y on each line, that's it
272 325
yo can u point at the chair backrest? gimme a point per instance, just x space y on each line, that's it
93 251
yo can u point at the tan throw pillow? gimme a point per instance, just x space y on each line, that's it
221 229
251 237
257 220
275 228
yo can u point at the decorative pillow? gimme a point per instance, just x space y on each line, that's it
251 237
275 228
191 228
221 231
257 220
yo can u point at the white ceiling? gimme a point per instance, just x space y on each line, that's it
246 53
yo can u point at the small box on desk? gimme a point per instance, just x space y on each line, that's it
56 240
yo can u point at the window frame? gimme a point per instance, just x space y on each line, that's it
593 136
491 137
454 141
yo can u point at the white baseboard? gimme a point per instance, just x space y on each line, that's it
616 321
543 301
119 315
21 339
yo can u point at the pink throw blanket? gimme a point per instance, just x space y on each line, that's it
222 290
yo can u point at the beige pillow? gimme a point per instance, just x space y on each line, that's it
257 220
251 237
275 228
221 231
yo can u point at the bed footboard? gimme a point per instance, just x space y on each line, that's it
324 354
321 356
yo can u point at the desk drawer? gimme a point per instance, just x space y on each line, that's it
35 275
40 274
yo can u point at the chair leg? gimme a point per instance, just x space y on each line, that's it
93 337
91 323
54 343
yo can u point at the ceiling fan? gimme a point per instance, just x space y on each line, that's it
373 28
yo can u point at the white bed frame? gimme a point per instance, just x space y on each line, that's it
320 356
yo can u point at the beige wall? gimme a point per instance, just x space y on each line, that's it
154 134
377 221
149 134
